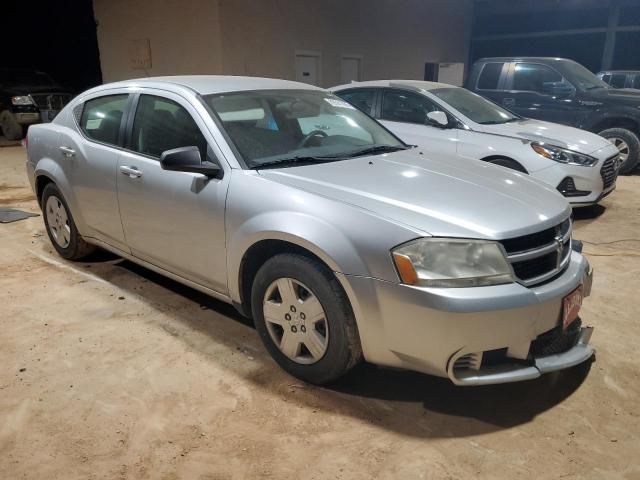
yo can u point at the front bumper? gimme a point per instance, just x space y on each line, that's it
436 331
27 118
587 183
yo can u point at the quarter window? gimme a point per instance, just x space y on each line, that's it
161 124
361 98
533 77
102 116
490 76
407 107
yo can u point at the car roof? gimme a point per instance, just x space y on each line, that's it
516 59
412 84
211 84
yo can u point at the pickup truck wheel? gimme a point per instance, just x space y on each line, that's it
304 318
508 163
628 145
60 226
11 129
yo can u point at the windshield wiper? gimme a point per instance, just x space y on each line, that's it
376 149
296 160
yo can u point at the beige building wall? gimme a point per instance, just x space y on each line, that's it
260 37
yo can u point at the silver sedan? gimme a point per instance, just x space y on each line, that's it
340 241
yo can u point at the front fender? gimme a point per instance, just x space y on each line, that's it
316 235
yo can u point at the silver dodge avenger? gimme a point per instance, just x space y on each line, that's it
340 241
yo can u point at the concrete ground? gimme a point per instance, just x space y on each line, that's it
110 371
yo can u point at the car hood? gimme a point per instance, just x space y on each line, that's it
551 133
444 196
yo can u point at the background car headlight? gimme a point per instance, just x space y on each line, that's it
449 263
563 155
21 100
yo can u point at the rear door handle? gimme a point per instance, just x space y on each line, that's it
509 102
131 172
67 151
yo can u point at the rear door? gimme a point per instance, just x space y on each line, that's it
174 220
405 112
89 155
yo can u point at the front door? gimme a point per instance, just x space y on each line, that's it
174 220
540 92
405 114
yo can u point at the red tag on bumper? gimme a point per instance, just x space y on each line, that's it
571 307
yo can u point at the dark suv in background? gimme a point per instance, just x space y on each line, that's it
563 91
27 97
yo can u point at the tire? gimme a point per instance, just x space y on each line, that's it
60 226
508 163
628 144
11 129
336 330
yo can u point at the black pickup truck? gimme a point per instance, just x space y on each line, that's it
562 91
27 97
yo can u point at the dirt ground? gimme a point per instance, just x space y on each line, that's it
110 371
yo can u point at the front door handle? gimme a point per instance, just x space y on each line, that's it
131 172
509 102
67 151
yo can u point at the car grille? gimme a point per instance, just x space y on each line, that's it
540 256
50 101
609 171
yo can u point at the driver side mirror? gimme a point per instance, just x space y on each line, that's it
187 159
438 119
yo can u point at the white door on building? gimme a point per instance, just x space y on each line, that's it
350 70
307 69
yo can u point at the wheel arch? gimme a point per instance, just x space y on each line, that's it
627 123
490 158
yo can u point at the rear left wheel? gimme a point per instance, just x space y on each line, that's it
60 226
304 318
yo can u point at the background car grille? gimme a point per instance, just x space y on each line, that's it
50 101
609 171
540 256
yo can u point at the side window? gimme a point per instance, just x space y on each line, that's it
606 78
161 124
101 118
534 77
407 107
360 98
490 76
636 81
618 80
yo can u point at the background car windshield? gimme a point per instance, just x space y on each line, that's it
583 78
266 126
474 106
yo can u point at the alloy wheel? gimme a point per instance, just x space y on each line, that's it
296 321
58 221
622 147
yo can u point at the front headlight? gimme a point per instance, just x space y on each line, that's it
563 155
450 263
22 100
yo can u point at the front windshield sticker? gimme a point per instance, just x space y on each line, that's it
334 102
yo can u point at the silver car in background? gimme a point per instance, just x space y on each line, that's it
340 241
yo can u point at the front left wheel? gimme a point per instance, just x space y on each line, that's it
304 318
60 226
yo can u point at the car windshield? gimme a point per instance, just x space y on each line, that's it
281 127
24 77
581 77
474 106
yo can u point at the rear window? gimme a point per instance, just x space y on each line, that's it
490 76
617 80
101 118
